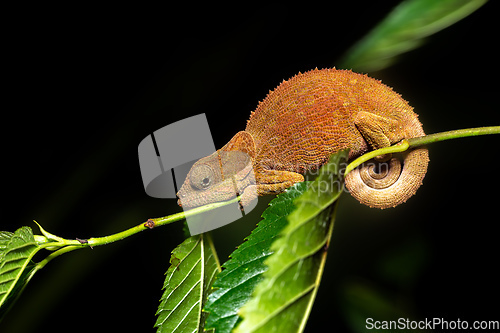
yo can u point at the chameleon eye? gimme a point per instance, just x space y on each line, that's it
201 177
205 182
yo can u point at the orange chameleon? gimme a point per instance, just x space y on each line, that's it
304 121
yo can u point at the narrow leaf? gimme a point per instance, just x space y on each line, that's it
243 271
282 301
16 267
404 29
188 280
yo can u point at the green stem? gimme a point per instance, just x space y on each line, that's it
214 251
397 148
70 245
152 223
421 141
424 140
61 245
57 253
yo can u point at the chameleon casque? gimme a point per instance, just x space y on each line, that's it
299 125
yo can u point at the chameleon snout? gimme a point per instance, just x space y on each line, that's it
180 196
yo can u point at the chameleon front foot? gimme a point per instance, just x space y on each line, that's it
276 181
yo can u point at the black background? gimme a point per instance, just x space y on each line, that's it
84 85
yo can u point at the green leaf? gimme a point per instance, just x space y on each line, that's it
404 29
194 266
16 267
243 271
283 299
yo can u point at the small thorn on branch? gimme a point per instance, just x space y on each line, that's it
150 224
325 247
82 241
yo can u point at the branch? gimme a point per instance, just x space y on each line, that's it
57 242
421 141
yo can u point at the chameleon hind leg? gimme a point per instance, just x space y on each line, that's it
378 131
386 182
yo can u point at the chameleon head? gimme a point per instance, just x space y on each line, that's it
216 178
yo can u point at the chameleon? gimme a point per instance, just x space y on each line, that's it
299 125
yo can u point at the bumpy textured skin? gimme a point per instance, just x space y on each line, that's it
311 116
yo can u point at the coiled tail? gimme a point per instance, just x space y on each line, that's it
388 184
